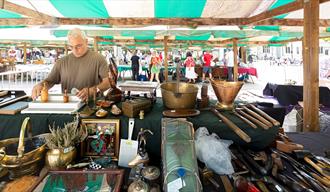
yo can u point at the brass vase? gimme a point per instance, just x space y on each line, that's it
226 93
60 158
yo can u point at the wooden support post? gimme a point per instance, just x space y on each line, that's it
311 65
165 58
65 49
96 47
235 59
24 53
243 54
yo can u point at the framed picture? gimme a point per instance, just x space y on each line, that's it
80 180
103 138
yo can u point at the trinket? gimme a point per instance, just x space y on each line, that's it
101 113
138 186
141 114
65 96
44 93
115 110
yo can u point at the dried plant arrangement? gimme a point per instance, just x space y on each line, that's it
70 135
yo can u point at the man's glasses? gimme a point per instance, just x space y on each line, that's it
79 46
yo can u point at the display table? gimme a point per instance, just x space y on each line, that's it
291 94
222 71
10 127
140 86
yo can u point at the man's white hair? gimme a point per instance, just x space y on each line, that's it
76 32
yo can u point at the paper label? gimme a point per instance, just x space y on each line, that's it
68 149
175 185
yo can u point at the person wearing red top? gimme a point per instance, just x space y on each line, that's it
207 58
190 68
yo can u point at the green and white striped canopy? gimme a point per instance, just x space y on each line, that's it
159 9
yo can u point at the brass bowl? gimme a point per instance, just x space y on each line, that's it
226 92
179 96
22 156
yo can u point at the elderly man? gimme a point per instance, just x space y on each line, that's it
82 69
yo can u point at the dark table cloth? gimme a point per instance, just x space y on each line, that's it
10 126
291 94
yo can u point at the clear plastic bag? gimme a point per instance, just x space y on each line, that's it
213 151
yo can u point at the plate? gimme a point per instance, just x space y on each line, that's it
181 113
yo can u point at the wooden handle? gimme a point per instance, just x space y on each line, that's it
254 114
322 180
226 183
309 161
274 121
253 119
232 126
245 120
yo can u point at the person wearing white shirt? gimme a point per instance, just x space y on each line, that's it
230 64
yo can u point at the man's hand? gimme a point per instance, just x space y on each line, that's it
36 91
83 93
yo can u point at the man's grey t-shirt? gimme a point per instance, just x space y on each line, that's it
79 72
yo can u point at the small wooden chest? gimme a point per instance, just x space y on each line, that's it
132 108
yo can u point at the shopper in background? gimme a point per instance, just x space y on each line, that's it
155 66
207 58
135 66
190 68
230 64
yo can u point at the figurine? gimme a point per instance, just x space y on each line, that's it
44 93
142 156
141 114
65 96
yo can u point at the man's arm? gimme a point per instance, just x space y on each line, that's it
51 80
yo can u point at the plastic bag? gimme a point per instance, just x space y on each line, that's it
213 151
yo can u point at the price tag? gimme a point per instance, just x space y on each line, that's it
175 185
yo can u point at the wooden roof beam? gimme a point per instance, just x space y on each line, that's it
160 41
294 6
25 11
193 22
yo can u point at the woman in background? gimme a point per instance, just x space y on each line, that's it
155 66
190 68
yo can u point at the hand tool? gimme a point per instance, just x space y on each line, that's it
245 119
208 177
232 126
226 183
296 187
274 122
246 156
260 118
254 120
304 154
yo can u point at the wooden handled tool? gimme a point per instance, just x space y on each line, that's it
269 118
254 114
254 120
232 126
226 183
319 169
245 119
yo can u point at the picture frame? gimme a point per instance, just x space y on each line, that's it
80 180
103 138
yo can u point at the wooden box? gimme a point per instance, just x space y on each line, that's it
132 108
